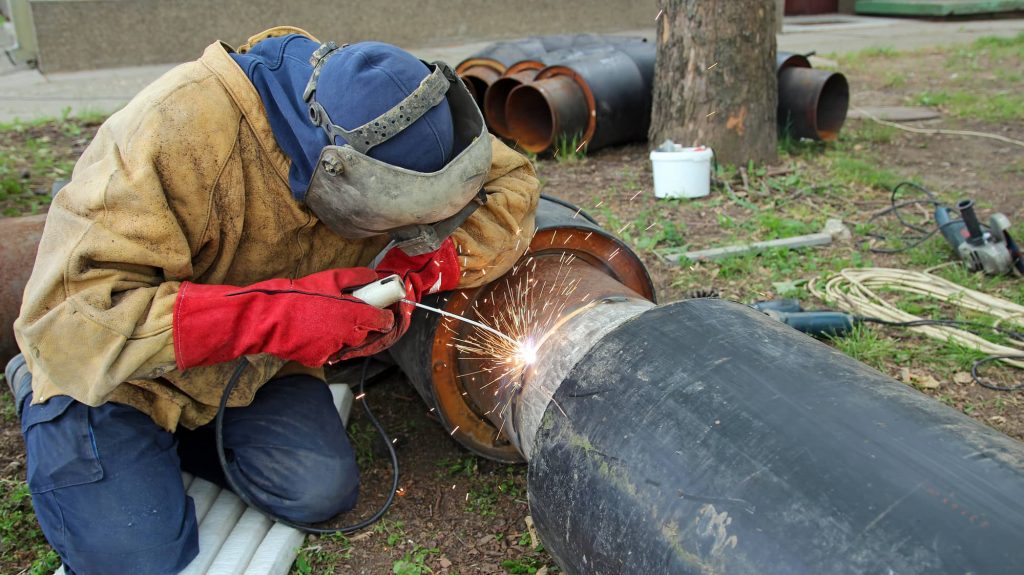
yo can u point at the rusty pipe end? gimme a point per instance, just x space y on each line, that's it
537 114
480 77
496 98
813 103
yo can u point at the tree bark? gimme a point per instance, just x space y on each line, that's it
715 79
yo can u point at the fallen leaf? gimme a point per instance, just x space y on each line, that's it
962 377
444 562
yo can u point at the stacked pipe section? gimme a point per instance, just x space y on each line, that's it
482 69
593 90
703 437
596 91
812 103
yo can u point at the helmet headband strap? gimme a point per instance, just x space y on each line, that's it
428 94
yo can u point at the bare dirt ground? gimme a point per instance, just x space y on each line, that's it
460 514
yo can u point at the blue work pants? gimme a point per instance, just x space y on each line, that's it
106 481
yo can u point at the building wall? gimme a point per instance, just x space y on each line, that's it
89 34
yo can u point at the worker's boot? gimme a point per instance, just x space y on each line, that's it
19 380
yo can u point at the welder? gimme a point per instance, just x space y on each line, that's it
227 214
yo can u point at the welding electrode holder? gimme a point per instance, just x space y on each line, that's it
384 292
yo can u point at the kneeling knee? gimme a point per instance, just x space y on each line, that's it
325 492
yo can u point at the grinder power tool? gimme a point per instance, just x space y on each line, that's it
993 251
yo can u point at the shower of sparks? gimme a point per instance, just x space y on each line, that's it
711 114
712 66
580 147
638 192
523 321
660 12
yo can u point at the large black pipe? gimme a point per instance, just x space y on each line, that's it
702 437
484 67
613 89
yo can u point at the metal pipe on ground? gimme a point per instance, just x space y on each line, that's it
524 72
21 240
484 67
613 88
561 50
702 436
812 103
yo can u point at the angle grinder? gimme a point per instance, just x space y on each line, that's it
993 250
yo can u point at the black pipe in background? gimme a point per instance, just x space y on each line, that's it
702 437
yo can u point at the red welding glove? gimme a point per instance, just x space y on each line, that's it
304 320
423 274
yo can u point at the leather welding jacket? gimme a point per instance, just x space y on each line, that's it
187 183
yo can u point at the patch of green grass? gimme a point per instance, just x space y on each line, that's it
868 133
772 226
895 80
569 148
466 466
859 59
854 169
523 565
868 345
20 534
999 107
363 437
414 561
322 554
485 492
394 530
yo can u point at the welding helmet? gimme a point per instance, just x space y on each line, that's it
357 195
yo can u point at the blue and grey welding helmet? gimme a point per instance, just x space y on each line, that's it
360 196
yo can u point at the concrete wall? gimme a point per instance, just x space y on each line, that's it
88 34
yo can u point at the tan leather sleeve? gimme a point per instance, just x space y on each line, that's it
118 240
497 234
274 32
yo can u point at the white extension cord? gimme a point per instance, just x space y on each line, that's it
854 291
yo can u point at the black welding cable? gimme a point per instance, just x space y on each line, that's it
970 326
895 208
977 379
308 528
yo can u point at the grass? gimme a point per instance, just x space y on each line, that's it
20 534
524 565
484 495
569 148
30 165
322 554
1004 107
364 438
414 561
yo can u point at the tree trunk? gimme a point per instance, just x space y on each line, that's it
715 79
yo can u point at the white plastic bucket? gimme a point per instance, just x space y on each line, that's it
682 173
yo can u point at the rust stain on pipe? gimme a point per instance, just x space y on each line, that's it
21 240
497 96
480 74
539 112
